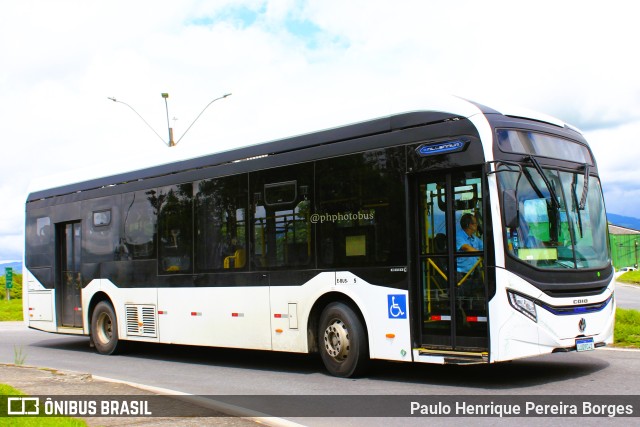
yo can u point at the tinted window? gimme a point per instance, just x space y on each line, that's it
101 218
360 215
175 225
140 216
39 242
280 193
101 228
527 142
281 217
221 238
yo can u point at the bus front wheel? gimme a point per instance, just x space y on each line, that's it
104 328
342 341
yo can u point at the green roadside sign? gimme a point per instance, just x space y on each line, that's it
8 275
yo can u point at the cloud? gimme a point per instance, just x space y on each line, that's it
616 151
294 67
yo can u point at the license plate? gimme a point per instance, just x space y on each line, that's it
584 344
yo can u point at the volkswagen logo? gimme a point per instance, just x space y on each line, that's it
582 325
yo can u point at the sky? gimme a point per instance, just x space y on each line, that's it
294 67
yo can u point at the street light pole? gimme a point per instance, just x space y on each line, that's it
165 95
166 104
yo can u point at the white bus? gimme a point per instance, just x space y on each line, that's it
345 242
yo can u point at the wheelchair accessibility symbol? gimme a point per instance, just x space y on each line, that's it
397 306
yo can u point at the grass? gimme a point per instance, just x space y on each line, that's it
6 390
19 355
632 277
11 310
627 329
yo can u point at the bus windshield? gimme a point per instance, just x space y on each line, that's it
558 220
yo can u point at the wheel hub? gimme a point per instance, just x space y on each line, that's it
104 328
336 340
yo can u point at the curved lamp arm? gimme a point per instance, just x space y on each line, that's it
185 132
145 122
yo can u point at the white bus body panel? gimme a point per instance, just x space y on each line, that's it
41 306
389 337
389 332
121 297
276 318
38 304
515 336
290 333
260 317
221 316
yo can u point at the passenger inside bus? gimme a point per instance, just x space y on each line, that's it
237 258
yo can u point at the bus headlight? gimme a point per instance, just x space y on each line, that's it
523 305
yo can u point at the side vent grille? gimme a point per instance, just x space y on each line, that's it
141 321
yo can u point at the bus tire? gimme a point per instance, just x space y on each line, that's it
104 328
342 341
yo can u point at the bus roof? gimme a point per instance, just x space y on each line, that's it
92 178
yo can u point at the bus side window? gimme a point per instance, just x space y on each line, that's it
358 206
174 228
220 220
140 221
281 217
40 242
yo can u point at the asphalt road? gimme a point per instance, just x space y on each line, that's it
204 371
627 296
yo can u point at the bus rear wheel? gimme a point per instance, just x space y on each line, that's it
342 341
104 328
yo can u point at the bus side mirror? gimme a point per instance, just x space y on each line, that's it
510 206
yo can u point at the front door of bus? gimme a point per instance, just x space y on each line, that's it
68 281
452 284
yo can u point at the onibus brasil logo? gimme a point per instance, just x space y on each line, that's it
30 406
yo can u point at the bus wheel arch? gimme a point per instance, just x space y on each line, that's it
103 328
337 331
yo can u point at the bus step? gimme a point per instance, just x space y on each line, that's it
69 330
456 357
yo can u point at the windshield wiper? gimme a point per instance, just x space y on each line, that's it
585 188
574 196
552 191
583 199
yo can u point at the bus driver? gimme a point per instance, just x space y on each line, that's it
468 276
467 241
